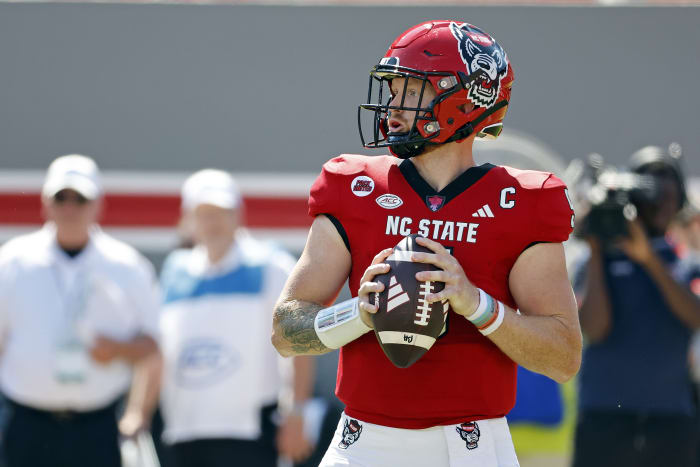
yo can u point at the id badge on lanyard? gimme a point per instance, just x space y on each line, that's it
72 362
71 357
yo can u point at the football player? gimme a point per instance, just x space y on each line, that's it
495 232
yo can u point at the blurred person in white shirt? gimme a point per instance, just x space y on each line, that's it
224 387
78 316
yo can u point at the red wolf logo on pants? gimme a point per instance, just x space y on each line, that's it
470 433
351 433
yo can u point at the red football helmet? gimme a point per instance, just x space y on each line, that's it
465 66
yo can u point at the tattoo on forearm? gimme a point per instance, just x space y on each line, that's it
295 319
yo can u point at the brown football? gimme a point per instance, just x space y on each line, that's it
406 325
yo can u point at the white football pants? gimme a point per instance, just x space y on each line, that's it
483 443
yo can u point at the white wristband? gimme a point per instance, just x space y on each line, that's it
481 309
339 324
496 324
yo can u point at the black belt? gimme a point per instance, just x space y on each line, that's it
64 415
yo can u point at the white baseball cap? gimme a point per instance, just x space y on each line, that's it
75 172
210 186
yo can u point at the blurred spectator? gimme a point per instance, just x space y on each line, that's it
687 229
77 311
687 234
636 404
222 376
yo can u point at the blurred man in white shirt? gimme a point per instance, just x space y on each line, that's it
78 313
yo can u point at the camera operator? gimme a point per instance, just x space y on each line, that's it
636 405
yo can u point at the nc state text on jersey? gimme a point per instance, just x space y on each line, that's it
433 228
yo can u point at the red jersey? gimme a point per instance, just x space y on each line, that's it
488 216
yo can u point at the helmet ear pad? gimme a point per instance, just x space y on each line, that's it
449 111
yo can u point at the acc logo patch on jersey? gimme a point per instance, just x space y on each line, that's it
470 433
351 433
362 186
389 201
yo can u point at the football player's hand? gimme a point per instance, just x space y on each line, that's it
462 295
367 285
636 246
291 442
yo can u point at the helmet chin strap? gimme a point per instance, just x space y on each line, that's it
462 133
468 128
404 149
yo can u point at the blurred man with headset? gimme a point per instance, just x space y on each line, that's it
636 404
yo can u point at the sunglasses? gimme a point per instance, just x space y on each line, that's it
70 197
